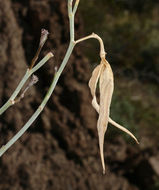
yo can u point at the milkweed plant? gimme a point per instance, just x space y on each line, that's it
102 73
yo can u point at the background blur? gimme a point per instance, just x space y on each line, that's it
60 150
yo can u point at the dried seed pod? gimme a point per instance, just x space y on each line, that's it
93 84
106 86
104 74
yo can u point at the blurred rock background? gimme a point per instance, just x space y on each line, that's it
60 150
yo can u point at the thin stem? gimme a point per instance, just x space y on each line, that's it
39 110
33 81
64 62
71 20
51 89
28 73
93 35
35 57
41 63
43 38
75 6
11 99
4 148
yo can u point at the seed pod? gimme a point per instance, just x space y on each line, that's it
104 74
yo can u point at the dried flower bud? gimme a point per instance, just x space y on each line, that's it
44 36
55 68
34 80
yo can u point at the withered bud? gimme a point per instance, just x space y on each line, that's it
44 36
55 68
33 80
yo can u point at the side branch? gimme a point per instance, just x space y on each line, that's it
95 36
71 20
29 72
43 38
71 14
4 148
75 6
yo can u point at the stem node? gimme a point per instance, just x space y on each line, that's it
12 101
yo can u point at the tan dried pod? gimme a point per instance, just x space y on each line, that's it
106 85
94 78
104 74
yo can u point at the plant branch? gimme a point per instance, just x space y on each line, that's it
34 80
95 36
40 108
11 101
52 87
71 20
75 6
43 38
28 73
71 15
4 148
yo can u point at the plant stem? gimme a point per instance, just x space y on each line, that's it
71 20
35 57
40 108
57 75
28 73
4 148
75 6
95 36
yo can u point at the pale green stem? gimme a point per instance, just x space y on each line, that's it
75 6
71 20
39 110
54 82
28 73
50 91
